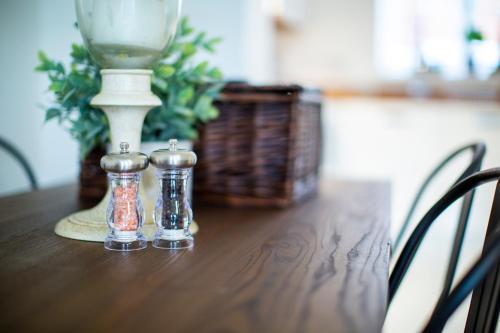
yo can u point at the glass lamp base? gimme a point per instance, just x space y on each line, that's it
173 244
115 244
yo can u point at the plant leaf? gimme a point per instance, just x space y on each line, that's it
52 113
185 95
188 50
165 71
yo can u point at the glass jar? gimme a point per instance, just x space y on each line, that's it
131 34
173 213
125 214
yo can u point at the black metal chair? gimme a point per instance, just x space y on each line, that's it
16 154
489 294
478 151
475 276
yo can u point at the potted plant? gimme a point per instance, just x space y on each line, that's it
186 86
472 37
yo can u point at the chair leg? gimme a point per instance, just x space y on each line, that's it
485 303
457 244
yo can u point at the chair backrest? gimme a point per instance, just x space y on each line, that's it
478 151
487 263
410 249
14 152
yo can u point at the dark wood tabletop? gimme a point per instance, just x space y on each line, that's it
318 267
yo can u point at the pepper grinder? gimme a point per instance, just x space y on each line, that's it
125 214
173 213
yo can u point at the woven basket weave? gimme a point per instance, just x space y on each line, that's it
263 150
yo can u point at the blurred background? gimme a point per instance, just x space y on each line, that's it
405 82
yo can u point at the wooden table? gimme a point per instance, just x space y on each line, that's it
318 267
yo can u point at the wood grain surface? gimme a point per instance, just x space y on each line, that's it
318 267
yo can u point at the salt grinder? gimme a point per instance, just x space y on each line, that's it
173 213
125 214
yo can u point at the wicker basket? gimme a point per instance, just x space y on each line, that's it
263 150
93 181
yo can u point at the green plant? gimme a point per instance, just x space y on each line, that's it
186 87
473 34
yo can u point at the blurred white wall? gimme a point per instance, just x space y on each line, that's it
332 44
27 26
248 48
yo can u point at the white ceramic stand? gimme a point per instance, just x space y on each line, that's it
126 98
